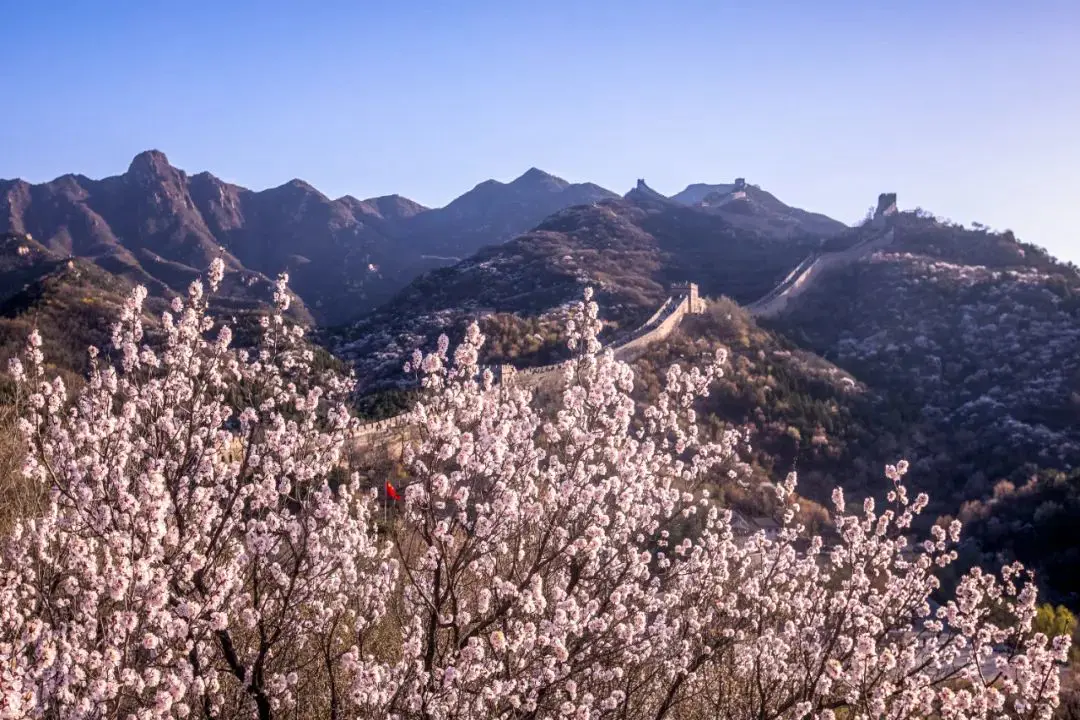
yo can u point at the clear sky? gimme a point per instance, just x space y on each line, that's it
968 108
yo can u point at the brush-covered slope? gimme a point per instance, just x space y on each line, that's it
975 337
803 412
750 207
629 253
72 303
979 332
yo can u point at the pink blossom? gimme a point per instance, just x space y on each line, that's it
195 559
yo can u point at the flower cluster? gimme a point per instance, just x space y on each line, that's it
200 555
194 557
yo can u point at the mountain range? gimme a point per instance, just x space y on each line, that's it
956 348
159 226
630 249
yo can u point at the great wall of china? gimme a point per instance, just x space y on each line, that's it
684 300
818 263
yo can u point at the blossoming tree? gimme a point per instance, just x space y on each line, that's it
194 557
202 555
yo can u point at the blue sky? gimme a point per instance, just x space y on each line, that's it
968 108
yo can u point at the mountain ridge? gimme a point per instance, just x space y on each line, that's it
157 225
630 249
962 344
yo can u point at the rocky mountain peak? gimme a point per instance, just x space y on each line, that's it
150 163
300 186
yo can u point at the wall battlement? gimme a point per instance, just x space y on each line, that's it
689 290
886 206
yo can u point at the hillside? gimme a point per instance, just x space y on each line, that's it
71 302
977 331
803 412
629 252
160 227
751 207
975 339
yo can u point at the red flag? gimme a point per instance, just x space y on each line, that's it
391 492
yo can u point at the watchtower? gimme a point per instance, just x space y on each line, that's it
689 290
886 206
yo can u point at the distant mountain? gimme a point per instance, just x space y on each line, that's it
494 212
644 196
753 208
388 208
158 226
696 192
630 249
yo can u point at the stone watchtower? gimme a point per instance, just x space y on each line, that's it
695 305
886 206
740 184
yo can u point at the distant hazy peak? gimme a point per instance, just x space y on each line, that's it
535 176
696 192
396 200
298 184
388 207
643 194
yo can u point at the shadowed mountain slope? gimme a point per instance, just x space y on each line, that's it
156 225
630 252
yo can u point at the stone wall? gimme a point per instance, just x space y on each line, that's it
684 300
534 378
814 266
376 427
661 327
785 284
